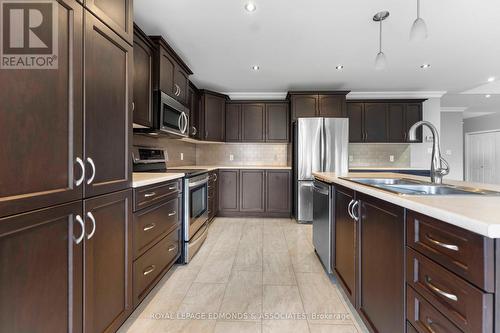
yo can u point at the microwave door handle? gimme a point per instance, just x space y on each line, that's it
185 123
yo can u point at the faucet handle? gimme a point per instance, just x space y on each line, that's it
446 170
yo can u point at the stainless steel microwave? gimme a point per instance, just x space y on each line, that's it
173 116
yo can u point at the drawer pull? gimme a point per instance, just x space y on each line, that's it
172 214
439 291
147 195
149 270
149 226
170 249
438 243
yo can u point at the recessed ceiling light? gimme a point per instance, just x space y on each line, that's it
425 66
250 7
488 96
339 67
255 67
491 79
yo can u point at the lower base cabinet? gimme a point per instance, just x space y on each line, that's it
213 194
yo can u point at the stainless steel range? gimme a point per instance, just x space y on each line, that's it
195 197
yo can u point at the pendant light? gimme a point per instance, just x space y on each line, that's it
418 30
380 60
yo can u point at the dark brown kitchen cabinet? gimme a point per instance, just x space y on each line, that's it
396 122
304 106
107 261
278 191
229 190
41 125
213 194
345 243
108 101
381 296
375 122
252 193
332 106
233 122
41 257
213 110
277 122
413 115
143 79
194 111
171 74
317 104
355 114
253 119
116 14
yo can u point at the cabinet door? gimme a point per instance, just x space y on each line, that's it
375 122
345 243
108 97
214 109
182 81
233 122
166 73
116 14
41 125
108 261
414 115
304 106
252 185
143 90
277 122
396 122
194 112
332 106
355 115
382 282
41 271
253 117
278 198
229 190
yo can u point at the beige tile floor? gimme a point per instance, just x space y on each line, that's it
262 272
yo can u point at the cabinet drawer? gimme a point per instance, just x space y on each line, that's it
153 222
462 303
465 253
151 264
424 317
149 195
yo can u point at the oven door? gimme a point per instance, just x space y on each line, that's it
198 205
173 116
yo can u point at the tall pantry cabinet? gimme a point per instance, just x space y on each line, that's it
65 176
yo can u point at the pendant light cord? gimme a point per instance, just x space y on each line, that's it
380 40
418 9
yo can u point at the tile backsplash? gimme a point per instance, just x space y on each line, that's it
174 149
379 155
242 154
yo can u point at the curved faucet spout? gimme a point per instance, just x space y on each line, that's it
437 169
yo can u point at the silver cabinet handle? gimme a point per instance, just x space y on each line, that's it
150 194
356 217
172 188
170 249
216 177
133 106
91 217
149 226
349 209
149 270
193 130
79 219
79 181
439 291
441 244
172 214
91 162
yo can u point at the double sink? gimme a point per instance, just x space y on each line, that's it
405 186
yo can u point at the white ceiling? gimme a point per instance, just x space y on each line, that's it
298 43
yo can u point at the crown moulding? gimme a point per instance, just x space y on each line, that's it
353 95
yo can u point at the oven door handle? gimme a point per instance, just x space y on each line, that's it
198 183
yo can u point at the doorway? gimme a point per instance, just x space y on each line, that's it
482 157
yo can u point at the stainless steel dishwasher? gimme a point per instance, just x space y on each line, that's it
322 222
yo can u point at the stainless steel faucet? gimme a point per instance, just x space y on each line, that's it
437 169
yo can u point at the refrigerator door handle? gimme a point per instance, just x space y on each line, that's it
322 146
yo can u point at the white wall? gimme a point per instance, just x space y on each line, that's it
431 111
452 143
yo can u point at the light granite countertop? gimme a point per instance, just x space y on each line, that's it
215 167
389 168
479 214
148 178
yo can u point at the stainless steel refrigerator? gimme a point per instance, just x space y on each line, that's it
319 145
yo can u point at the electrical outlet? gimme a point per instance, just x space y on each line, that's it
231 157
182 156
391 158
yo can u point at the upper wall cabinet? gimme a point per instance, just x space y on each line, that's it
171 74
116 14
317 104
143 79
213 115
194 111
41 125
253 121
383 120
